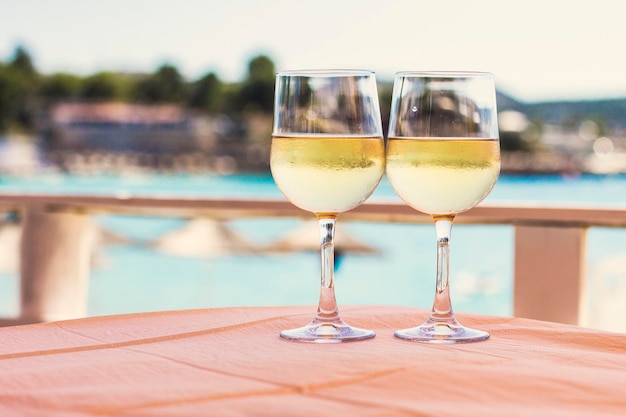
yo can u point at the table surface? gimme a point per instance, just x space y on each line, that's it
231 362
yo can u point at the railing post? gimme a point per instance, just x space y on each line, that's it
55 255
550 273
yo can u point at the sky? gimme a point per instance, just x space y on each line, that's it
537 49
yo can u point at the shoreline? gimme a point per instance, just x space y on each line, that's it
25 157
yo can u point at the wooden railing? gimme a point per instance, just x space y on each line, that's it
549 272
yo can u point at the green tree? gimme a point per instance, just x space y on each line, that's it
9 95
60 86
23 64
18 92
102 86
257 91
207 93
261 68
165 85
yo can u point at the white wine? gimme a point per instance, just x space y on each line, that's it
442 176
327 175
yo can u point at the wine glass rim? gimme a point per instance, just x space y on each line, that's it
325 72
444 74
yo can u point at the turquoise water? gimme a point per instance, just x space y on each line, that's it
584 189
131 276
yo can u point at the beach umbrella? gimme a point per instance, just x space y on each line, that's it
203 238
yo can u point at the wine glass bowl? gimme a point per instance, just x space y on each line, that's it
327 156
443 158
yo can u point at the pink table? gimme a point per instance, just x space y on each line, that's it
231 362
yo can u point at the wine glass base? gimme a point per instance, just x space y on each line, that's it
441 332
327 332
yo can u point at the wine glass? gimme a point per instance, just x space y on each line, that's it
443 158
327 156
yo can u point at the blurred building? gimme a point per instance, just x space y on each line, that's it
85 137
125 127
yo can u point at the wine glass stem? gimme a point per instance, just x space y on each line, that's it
327 310
442 306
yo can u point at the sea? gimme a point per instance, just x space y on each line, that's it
133 270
